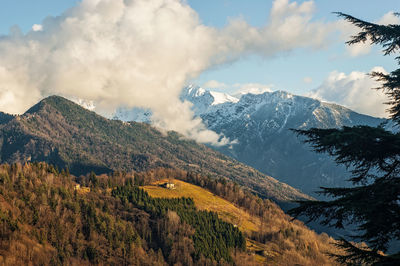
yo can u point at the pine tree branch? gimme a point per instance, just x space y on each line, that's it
368 150
385 35
373 154
373 208
355 255
391 87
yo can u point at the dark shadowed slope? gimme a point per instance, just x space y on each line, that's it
5 118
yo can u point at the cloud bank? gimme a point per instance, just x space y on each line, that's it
253 88
37 27
354 91
140 53
239 89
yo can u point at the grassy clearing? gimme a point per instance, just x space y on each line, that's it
291 243
206 200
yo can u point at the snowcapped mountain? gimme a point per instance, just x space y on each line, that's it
261 125
203 99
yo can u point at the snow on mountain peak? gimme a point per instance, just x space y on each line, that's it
283 94
220 98
228 107
194 91
206 98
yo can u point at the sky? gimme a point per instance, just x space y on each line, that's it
316 64
129 53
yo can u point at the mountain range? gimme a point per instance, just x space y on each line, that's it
260 125
60 132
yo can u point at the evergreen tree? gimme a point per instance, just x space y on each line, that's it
372 154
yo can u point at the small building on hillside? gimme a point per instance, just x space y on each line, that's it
168 185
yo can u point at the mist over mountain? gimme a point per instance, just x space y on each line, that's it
259 125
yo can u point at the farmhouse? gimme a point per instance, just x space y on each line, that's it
168 185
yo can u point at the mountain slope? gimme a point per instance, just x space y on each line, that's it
61 132
286 242
5 118
53 218
261 123
48 219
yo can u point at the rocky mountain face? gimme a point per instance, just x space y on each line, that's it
63 133
260 125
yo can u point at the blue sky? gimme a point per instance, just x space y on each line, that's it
25 13
298 70
288 71
284 72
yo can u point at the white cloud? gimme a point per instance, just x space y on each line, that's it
253 88
85 104
140 53
349 30
37 27
289 27
354 91
213 84
239 89
307 80
389 18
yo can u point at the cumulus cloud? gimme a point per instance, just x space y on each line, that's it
239 89
355 91
214 84
389 18
349 30
140 53
37 27
85 104
253 88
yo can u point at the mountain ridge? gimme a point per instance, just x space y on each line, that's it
260 125
61 132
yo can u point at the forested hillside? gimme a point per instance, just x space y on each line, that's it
50 217
47 219
272 236
63 133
